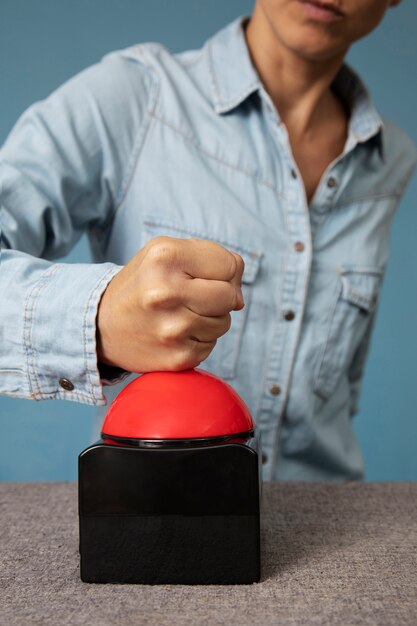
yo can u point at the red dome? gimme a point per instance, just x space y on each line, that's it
177 405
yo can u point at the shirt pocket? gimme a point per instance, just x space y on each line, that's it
350 314
224 358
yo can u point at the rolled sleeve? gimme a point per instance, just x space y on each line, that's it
57 357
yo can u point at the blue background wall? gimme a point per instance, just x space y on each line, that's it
44 42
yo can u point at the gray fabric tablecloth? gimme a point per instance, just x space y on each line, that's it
332 554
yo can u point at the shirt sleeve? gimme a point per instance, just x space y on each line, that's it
63 170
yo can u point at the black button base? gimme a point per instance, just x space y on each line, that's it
216 549
170 515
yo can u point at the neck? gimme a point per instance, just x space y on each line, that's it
300 88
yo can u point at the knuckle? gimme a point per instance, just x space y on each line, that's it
158 297
170 333
161 250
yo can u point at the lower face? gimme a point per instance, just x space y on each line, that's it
312 29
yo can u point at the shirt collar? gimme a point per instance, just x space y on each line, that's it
234 78
365 123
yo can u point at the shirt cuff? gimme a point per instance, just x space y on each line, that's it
60 333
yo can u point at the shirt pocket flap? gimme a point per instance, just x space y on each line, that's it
251 259
347 323
360 287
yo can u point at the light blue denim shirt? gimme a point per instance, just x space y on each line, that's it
147 143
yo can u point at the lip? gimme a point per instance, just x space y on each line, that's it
321 11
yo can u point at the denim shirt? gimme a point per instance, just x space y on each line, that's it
149 143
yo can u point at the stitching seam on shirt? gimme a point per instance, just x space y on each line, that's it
337 205
280 335
269 358
11 394
155 223
186 63
139 143
216 158
66 395
211 72
88 365
28 315
323 351
276 443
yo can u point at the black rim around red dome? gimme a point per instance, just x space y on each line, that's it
191 441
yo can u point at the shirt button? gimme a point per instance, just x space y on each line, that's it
66 384
293 173
332 182
299 246
289 316
264 458
275 390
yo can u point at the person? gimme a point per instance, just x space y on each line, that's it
238 200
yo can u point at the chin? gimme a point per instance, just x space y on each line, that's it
316 46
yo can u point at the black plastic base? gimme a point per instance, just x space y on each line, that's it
170 516
170 550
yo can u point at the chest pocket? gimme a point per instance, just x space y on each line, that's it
224 358
350 314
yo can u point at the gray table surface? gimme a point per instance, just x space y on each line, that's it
332 554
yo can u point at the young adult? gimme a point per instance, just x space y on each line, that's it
254 170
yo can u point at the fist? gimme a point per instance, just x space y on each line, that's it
168 306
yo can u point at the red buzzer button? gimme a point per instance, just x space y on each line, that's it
177 405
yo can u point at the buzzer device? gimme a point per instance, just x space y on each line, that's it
170 494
